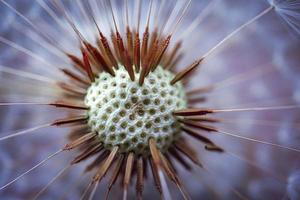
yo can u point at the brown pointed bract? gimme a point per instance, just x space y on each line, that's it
186 71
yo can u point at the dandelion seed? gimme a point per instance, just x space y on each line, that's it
130 110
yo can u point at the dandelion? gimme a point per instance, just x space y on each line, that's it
117 77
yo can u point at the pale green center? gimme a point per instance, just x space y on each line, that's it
125 114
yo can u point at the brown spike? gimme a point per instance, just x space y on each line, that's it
140 178
188 151
129 41
103 53
77 62
69 120
125 57
167 168
154 152
179 158
173 176
152 56
144 49
154 37
108 51
146 64
71 89
156 177
103 169
61 104
120 47
173 54
92 150
193 112
185 72
143 74
129 65
137 52
116 47
99 58
203 119
161 52
115 174
127 176
196 135
167 156
75 77
79 141
213 147
198 125
157 166
97 162
87 65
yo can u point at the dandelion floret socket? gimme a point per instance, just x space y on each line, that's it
126 114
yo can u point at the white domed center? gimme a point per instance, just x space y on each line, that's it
125 114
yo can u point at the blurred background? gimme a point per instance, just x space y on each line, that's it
258 67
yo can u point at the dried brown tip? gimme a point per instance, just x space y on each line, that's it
87 65
108 50
116 48
90 151
72 89
161 52
75 77
213 147
199 125
103 169
61 104
180 159
78 64
185 72
155 165
203 119
144 49
196 135
127 176
188 152
154 152
193 112
129 41
79 141
125 56
137 52
98 161
173 176
156 177
99 58
115 174
69 120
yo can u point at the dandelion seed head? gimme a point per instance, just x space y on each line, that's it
125 114
135 125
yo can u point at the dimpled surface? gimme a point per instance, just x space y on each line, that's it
125 114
